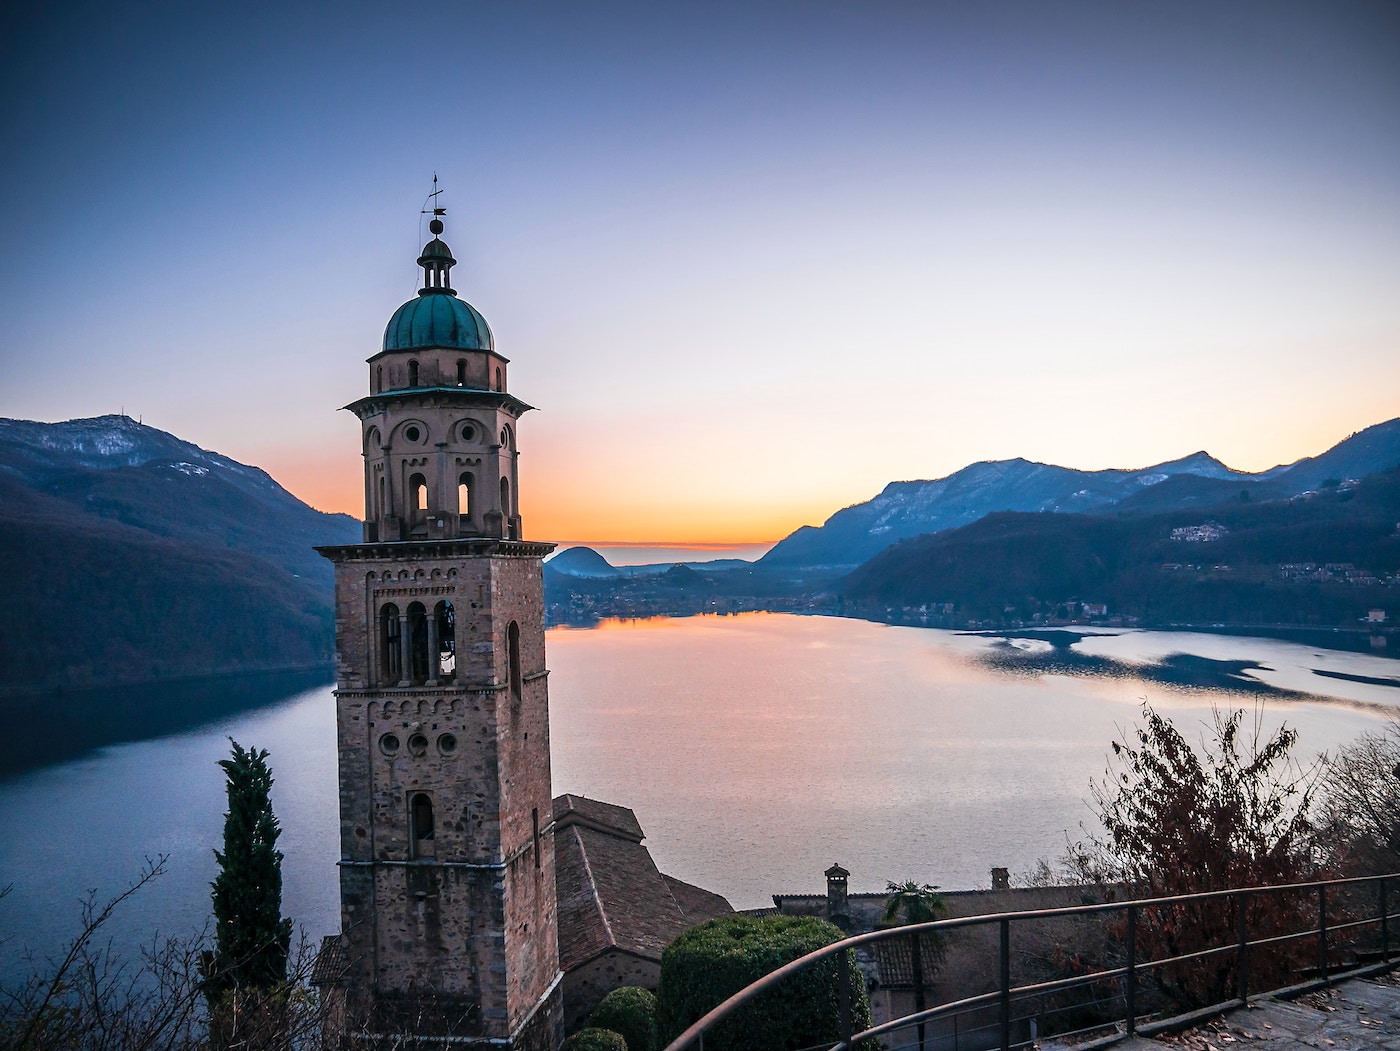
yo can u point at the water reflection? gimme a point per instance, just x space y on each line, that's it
47 729
756 750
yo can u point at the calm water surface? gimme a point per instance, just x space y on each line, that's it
756 750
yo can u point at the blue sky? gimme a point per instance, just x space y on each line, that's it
751 261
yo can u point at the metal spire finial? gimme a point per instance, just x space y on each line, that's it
431 207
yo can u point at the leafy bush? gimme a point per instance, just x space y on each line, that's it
1177 820
630 1012
1236 814
592 1039
709 963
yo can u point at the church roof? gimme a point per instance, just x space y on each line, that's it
611 894
437 319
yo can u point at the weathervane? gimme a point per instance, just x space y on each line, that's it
431 206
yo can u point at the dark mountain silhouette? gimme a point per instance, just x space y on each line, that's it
580 562
1365 452
133 556
907 509
1011 565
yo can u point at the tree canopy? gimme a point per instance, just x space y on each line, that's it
1236 813
252 938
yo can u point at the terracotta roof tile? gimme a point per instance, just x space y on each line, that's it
610 892
605 817
697 903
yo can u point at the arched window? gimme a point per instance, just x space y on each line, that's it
464 494
418 485
381 509
379 379
461 372
447 639
513 655
390 651
417 643
413 373
505 497
498 379
420 822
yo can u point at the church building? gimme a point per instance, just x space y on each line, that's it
448 902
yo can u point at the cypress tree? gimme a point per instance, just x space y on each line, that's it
252 937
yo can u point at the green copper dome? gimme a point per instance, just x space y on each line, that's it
437 319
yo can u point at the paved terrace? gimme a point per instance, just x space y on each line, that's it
1361 1014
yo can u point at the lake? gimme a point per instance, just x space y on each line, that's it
756 750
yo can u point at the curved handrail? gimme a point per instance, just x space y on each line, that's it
773 978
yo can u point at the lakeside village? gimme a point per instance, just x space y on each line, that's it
683 590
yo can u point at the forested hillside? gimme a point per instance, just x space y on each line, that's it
131 556
1326 558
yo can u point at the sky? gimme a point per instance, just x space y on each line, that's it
751 261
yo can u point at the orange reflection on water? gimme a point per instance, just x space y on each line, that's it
757 749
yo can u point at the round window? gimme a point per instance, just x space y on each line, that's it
468 433
389 744
412 434
418 744
447 744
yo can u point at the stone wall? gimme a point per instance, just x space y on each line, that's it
585 986
437 367
462 917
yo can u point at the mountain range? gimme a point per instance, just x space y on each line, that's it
906 509
1326 558
133 556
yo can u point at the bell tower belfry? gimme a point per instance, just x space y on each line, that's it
448 916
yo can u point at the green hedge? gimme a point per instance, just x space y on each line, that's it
631 1012
709 963
595 1040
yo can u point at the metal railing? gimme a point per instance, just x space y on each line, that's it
1128 976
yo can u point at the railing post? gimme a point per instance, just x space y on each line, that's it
843 967
1322 931
1242 946
916 960
1130 992
1005 984
1385 925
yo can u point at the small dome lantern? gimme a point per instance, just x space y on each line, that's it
437 263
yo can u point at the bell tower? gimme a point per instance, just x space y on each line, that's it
448 925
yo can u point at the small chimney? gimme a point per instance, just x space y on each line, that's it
1001 879
836 878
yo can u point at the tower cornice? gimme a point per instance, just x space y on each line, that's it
417 550
375 404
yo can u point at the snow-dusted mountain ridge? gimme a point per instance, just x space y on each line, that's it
40 452
905 509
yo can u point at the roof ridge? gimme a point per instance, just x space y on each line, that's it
596 897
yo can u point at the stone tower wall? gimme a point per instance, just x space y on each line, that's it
389 370
531 925
470 915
